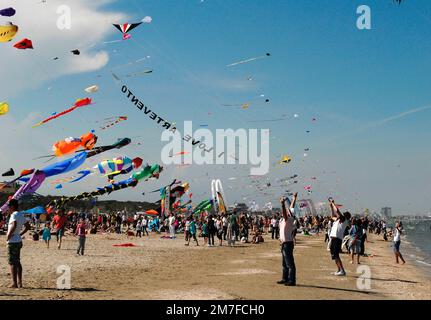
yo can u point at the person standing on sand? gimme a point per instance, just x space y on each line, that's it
171 224
337 235
14 242
287 229
192 229
355 234
59 223
219 227
80 232
396 233
46 235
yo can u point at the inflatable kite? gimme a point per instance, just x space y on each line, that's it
117 145
7 12
78 104
144 174
203 206
69 145
126 27
9 173
285 159
8 32
117 166
4 108
24 44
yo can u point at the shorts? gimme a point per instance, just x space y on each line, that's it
220 234
14 253
397 246
335 248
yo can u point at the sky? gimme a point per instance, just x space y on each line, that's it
368 90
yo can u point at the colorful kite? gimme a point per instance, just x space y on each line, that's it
24 44
7 32
4 108
69 145
78 104
144 174
126 27
285 159
113 122
7 12
117 166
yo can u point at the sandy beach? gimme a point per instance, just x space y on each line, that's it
166 269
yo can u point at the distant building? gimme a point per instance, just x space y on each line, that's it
386 213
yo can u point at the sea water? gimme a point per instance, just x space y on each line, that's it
417 243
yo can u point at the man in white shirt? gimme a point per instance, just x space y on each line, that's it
171 221
287 238
337 234
14 242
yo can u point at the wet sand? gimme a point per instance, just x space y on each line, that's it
166 269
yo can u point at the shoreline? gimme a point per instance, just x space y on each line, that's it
166 269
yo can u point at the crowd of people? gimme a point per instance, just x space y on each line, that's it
341 231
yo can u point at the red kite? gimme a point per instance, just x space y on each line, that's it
24 44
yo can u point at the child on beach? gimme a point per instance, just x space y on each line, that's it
139 229
205 233
355 234
80 232
192 229
46 235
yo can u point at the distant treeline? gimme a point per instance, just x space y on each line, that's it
28 202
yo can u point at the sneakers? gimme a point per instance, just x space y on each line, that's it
281 282
340 273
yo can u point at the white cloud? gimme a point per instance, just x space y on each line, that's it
25 69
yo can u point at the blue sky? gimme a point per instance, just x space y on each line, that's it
321 66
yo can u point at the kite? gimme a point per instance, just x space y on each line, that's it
151 212
248 60
69 145
92 89
285 159
9 173
203 206
58 186
124 245
7 32
117 166
126 27
76 52
147 19
7 12
179 154
144 174
78 104
270 120
113 122
117 145
24 44
83 174
138 73
307 149
4 108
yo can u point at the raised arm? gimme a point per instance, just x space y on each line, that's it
293 203
283 208
335 211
